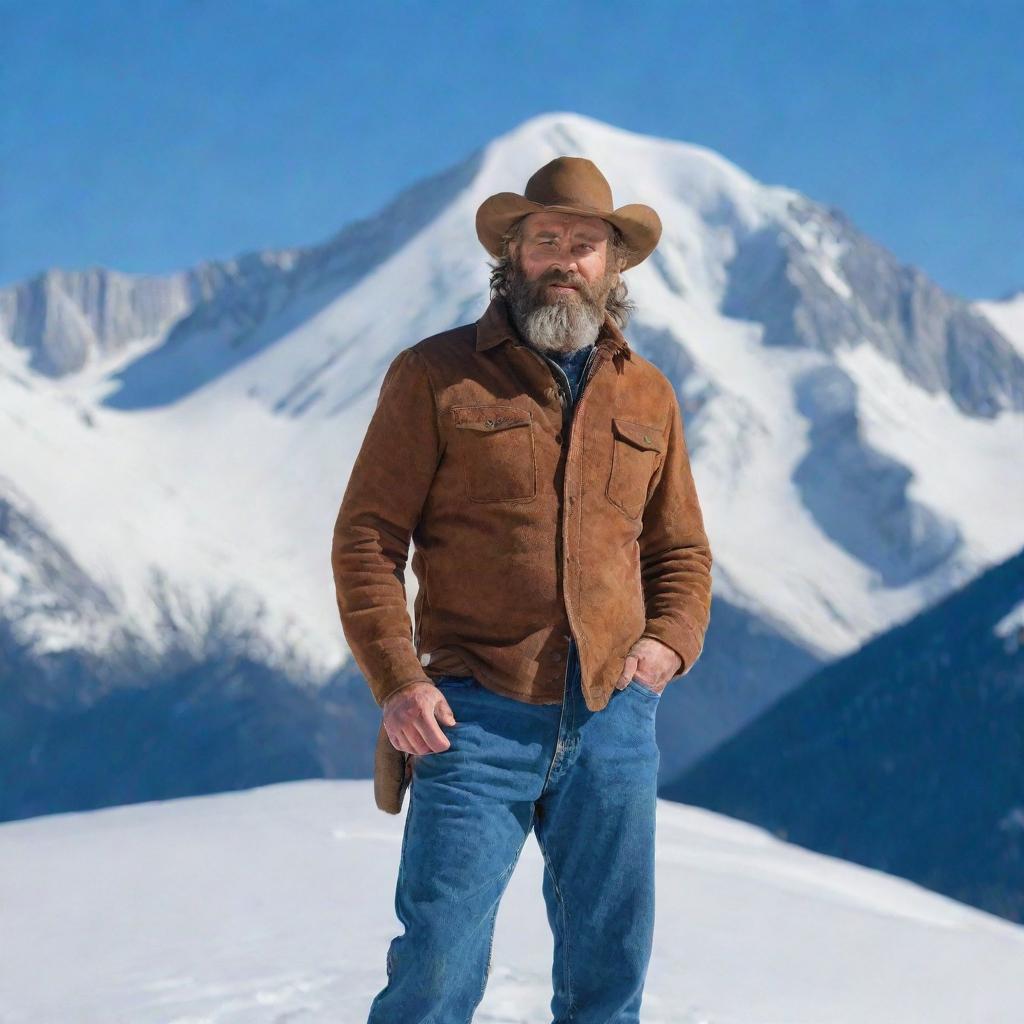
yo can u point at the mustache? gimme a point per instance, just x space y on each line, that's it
575 282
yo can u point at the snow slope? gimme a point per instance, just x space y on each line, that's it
276 904
1007 315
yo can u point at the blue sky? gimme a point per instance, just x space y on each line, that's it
148 136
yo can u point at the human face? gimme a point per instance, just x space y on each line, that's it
559 280
564 251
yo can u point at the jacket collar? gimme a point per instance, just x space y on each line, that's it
495 326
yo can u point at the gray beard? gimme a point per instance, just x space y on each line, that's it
561 327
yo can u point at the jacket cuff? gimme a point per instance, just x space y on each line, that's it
390 664
686 640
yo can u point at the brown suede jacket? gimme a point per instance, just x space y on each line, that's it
531 523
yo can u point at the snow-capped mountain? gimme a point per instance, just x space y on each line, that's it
65 320
276 905
906 756
852 427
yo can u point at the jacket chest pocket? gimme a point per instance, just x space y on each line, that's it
636 451
495 445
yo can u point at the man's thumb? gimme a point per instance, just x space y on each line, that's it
447 714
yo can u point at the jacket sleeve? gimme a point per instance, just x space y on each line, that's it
380 508
675 558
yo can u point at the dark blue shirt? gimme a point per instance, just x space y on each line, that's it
572 363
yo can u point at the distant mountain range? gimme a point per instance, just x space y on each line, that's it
175 448
906 756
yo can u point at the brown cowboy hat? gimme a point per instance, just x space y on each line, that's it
569 184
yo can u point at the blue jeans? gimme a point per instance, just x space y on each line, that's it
586 784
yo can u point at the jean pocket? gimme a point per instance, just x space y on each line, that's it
635 684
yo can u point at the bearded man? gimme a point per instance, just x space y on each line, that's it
540 467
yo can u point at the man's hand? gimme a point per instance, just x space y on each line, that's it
411 717
651 662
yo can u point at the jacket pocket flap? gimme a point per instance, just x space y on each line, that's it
639 434
490 417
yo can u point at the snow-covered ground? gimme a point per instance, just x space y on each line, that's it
276 905
1008 316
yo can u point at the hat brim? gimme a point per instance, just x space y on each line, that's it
639 224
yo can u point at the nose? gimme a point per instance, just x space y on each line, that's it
571 271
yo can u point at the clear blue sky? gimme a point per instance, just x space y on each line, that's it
148 136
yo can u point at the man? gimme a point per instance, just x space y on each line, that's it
540 467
